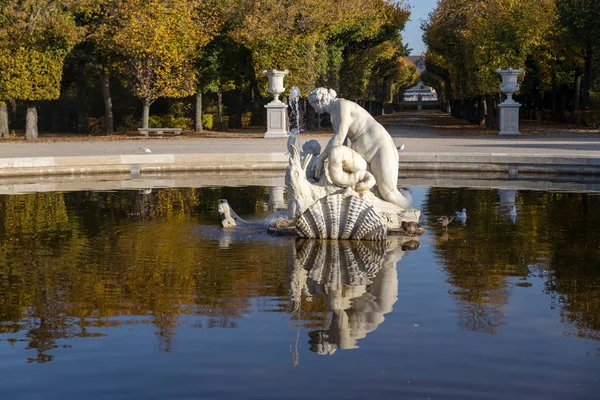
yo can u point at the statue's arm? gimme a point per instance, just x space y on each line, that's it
341 125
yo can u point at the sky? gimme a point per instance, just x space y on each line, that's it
412 32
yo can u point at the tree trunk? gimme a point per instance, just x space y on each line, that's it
240 110
489 116
220 108
4 131
109 125
481 111
554 100
14 120
498 99
55 126
31 123
554 106
563 106
310 117
587 78
576 90
304 120
146 113
198 111
80 84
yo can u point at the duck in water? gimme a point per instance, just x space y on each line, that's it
445 221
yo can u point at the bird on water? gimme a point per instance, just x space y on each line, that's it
445 221
412 227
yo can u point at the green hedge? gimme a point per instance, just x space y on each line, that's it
169 121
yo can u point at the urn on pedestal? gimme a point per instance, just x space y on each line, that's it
276 110
509 109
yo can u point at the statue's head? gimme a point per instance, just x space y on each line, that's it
312 147
320 98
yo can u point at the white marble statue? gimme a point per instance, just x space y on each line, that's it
344 192
367 138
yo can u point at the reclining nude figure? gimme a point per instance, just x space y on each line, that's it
367 138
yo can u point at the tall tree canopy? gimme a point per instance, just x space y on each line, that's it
298 35
580 18
35 37
555 41
159 42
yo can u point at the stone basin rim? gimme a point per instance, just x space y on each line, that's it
278 161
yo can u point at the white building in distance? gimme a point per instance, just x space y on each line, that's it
427 93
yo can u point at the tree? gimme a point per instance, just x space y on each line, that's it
225 66
91 14
300 35
502 36
468 40
580 18
35 37
371 54
4 132
158 42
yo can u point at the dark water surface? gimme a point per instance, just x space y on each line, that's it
142 295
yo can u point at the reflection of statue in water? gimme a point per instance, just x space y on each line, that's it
358 281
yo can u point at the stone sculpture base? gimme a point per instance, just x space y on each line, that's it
277 123
336 216
509 118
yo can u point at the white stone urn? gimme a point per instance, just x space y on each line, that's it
277 118
275 82
509 81
509 109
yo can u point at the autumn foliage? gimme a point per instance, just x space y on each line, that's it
181 48
554 41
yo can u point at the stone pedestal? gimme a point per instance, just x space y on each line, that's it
509 118
277 124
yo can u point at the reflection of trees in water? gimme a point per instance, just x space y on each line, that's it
573 270
556 236
357 281
160 204
73 263
477 257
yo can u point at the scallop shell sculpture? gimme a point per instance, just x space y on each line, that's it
337 262
341 217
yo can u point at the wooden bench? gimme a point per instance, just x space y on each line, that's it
159 131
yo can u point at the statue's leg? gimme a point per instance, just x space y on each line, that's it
366 182
384 166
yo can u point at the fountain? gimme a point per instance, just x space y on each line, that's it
343 192
295 114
